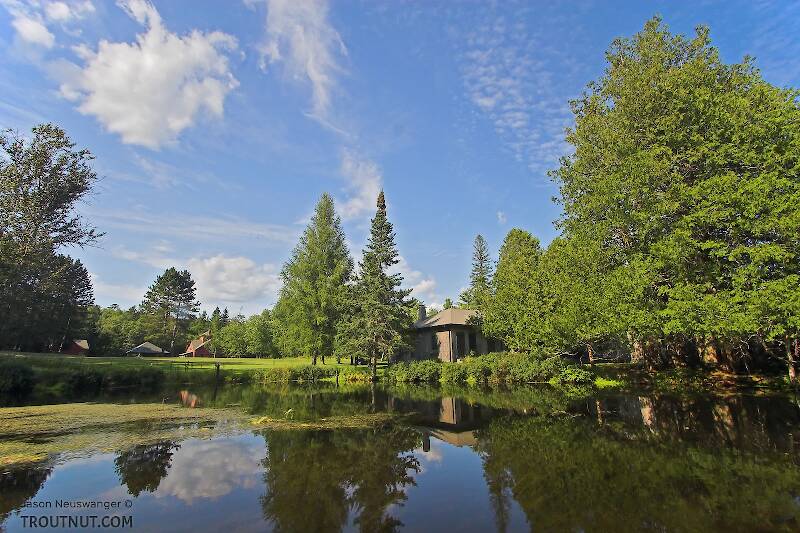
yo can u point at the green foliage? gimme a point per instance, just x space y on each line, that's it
309 374
44 294
16 379
172 296
515 313
377 315
491 369
478 293
315 284
428 371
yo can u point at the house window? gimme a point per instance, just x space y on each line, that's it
473 342
434 344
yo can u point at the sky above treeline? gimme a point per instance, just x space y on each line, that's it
217 125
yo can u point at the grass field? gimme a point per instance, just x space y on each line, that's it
233 365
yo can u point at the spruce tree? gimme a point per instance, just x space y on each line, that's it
378 312
478 293
314 281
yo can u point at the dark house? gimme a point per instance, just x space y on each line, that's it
449 335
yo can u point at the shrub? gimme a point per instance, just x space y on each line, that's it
16 378
573 375
351 374
427 371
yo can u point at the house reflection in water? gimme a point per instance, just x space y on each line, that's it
189 399
451 420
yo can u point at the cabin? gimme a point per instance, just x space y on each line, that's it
146 348
449 335
199 346
76 347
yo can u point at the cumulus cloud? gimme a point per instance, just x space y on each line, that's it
234 279
210 469
117 293
150 90
300 37
32 30
423 287
364 182
32 17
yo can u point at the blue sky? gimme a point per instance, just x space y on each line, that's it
217 125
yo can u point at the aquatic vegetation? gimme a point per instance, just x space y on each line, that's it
32 433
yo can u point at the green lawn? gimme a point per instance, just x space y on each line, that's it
232 364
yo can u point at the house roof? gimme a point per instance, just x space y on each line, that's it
146 347
83 343
448 317
196 343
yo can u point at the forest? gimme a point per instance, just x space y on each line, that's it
678 243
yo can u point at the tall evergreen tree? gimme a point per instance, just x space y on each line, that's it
511 313
314 283
172 298
378 309
479 291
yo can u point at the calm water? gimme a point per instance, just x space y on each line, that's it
530 459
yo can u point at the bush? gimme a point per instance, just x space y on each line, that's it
352 375
302 374
16 379
492 368
427 371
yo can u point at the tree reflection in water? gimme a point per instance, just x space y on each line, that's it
315 479
142 467
19 484
631 464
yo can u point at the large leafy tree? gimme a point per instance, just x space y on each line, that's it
172 297
378 315
43 293
314 285
686 171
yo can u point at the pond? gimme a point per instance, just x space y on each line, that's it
450 460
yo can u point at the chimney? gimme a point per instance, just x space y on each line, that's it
422 314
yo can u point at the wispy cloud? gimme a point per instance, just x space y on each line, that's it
150 90
506 82
300 37
193 228
364 182
501 218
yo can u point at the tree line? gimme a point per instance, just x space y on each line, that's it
678 244
680 236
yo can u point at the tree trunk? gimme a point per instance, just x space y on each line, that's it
323 359
374 368
590 351
790 358
637 350
314 359
172 339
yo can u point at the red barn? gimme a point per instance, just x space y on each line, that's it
199 346
76 347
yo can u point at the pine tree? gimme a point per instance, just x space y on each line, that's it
478 293
378 311
314 282
172 296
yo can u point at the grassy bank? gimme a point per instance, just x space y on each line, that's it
74 377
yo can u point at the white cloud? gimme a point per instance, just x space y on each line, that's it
116 293
32 30
364 184
422 287
501 217
194 228
234 279
300 36
516 92
210 469
60 11
31 18
150 90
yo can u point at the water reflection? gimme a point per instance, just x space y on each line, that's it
468 461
